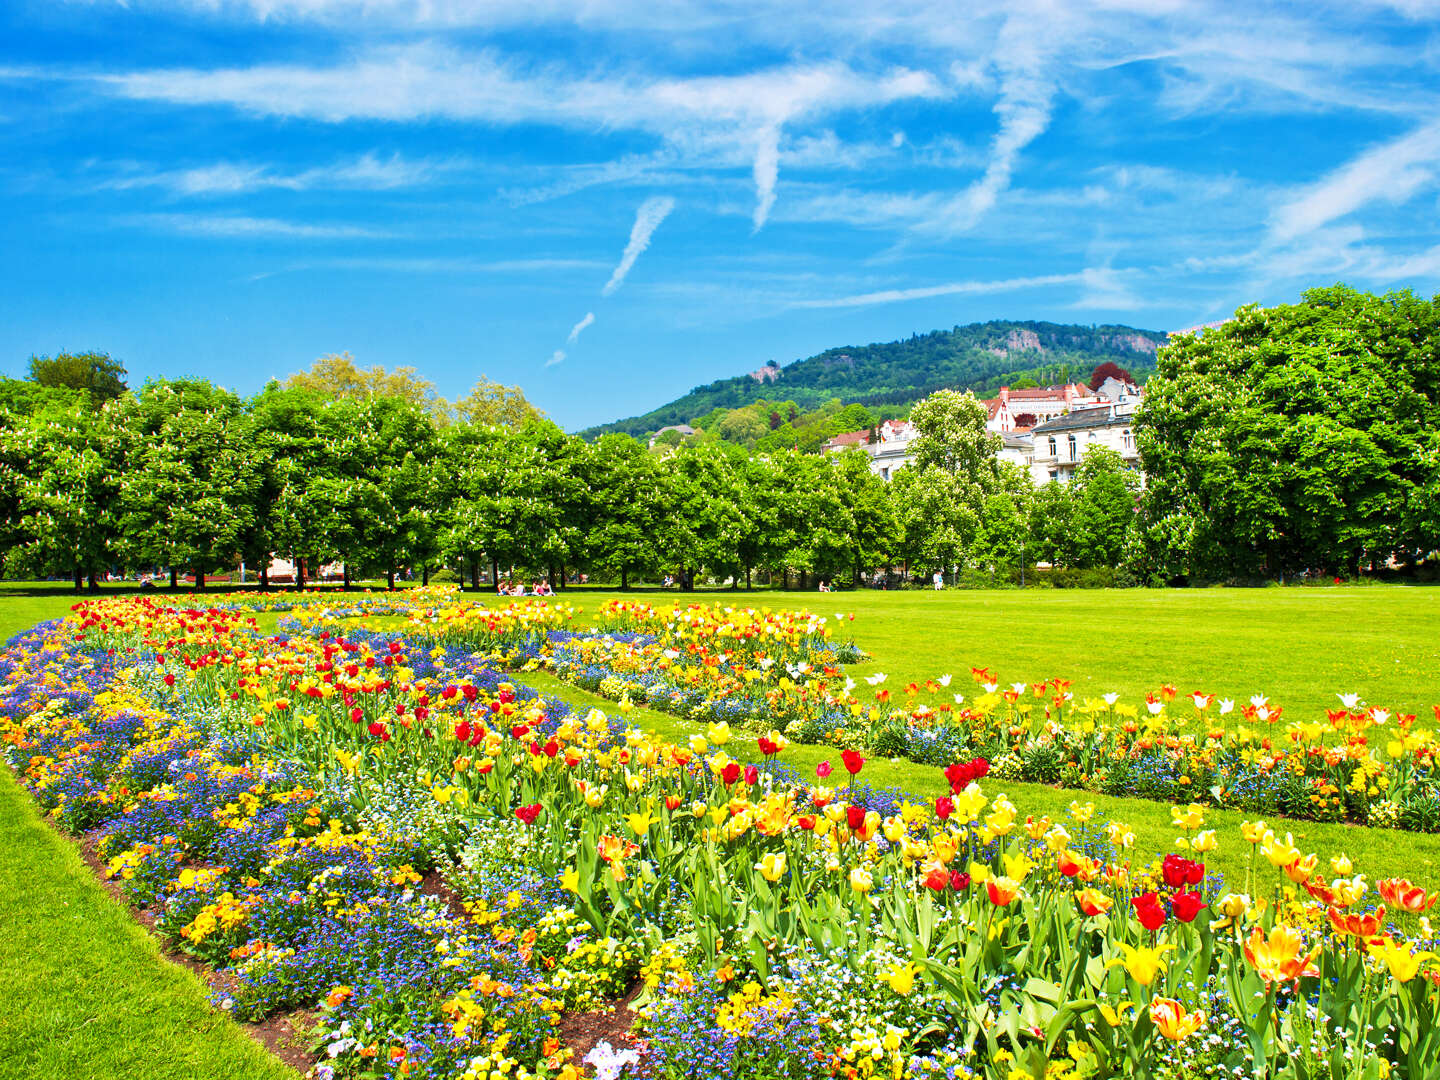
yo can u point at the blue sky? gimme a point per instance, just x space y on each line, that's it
609 203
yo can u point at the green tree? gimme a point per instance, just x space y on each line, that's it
336 376
67 463
626 485
187 495
97 373
1051 534
950 435
490 402
1104 494
1296 437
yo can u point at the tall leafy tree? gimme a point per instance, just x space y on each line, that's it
187 495
626 485
1104 493
950 435
97 373
67 462
1296 437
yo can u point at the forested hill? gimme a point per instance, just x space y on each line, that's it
980 357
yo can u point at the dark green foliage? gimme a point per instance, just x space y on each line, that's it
1304 437
95 372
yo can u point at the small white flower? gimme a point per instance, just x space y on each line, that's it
876 679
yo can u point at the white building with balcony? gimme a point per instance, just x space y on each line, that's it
1062 443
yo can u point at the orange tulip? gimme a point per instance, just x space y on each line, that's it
1002 890
1278 958
1362 926
1092 902
1172 1021
1400 893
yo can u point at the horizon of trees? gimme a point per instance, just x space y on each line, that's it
1299 438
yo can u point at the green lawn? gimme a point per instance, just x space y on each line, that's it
87 993
85 990
1299 646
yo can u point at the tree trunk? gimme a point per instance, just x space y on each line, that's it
785 580
299 575
855 577
345 575
494 574
390 578
425 574
550 576
802 579
94 585
475 573
748 584
79 579
265 579
624 580
199 579
174 579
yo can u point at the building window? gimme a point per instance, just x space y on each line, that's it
1052 446
1129 439
885 473
1054 474
1074 456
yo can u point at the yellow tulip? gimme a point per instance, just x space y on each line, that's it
1142 963
901 978
1404 964
772 866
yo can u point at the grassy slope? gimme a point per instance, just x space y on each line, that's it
85 988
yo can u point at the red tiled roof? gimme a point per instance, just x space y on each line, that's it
849 438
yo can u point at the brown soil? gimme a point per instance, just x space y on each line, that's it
435 885
581 1031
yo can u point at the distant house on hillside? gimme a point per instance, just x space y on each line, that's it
685 431
845 441
1019 410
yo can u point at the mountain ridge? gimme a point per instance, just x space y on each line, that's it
979 357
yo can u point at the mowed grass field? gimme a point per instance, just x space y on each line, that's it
1299 646
90 994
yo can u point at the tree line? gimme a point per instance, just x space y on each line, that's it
184 475
1291 439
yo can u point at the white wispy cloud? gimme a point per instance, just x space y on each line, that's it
576 330
953 288
767 173
239 226
652 212
1391 172
556 357
369 172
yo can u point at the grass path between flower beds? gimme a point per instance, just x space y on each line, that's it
1378 853
86 991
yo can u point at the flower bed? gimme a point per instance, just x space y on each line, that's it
278 802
